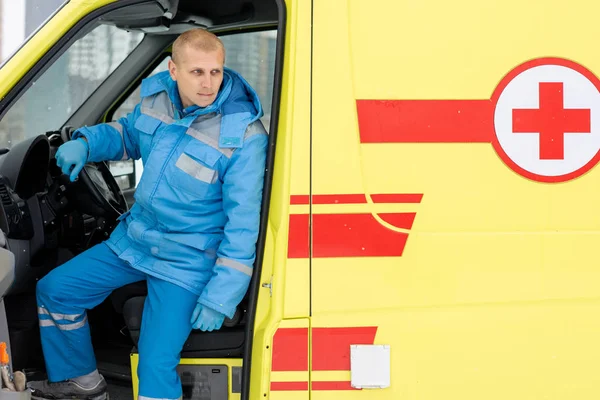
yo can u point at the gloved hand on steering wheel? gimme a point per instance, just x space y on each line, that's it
206 319
72 156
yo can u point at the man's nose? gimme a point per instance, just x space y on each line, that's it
205 82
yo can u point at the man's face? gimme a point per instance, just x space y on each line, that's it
199 75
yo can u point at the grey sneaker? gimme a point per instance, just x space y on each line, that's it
67 390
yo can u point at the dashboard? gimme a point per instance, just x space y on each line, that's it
43 214
23 172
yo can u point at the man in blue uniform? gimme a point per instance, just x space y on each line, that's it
191 233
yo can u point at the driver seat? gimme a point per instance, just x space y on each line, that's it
226 342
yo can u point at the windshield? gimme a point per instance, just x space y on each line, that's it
67 83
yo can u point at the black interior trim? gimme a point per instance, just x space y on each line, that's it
266 200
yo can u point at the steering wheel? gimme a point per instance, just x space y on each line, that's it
102 196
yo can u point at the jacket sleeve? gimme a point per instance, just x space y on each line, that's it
113 140
242 197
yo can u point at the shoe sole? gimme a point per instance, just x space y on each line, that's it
103 396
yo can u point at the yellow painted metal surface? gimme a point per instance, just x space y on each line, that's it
496 293
286 302
296 133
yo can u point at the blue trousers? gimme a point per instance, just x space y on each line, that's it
64 295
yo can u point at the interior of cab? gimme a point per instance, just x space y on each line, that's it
94 75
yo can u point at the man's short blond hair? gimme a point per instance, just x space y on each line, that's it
198 39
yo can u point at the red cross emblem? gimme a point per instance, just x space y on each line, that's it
552 121
541 120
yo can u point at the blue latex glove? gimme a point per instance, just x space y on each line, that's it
206 319
71 157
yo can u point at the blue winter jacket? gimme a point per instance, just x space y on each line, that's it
195 219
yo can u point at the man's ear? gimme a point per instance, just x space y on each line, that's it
173 70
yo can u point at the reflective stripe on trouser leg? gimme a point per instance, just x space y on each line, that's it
64 295
165 328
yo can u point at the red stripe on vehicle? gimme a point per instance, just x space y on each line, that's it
339 199
425 121
396 198
289 386
331 346
329 199
333 385
354 235
355 198
297 199
290 350
399 220
299 236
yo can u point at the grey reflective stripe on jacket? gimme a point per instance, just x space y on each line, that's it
226 262
160 107
198 171
119 128
206 128
255 128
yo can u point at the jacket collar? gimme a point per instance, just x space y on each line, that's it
237 102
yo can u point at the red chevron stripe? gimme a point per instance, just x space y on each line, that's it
290 350
331 346
330 352
348 235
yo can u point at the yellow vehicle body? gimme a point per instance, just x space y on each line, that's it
415 205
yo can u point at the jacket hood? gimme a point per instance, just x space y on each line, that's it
237 102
